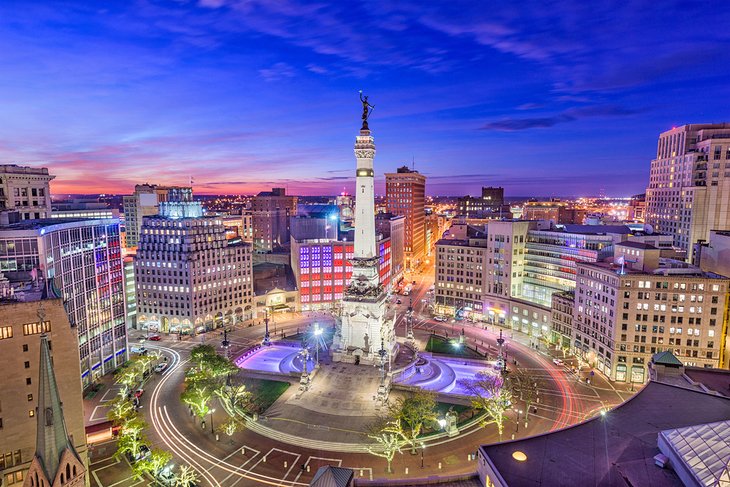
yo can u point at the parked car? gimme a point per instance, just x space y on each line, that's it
398 302
154 338
138 393
161 367
557 361
139 350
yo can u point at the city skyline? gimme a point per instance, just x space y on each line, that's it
245 96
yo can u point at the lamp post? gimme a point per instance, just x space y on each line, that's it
212 431
317 335
519 415
423 447
267 338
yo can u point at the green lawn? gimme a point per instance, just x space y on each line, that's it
265 392
437 344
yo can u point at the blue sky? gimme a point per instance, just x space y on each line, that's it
543 98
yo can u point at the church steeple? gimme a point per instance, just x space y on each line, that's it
56 461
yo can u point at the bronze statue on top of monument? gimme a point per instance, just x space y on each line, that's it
367 108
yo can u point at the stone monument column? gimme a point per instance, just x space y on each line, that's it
364 323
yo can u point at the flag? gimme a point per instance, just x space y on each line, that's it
621 260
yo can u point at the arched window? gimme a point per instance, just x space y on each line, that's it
74 470
68 471
62 482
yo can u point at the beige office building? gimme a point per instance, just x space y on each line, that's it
625 313
689 184
189 278
21 326
25 190
271 212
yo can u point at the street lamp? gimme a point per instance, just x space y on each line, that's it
211 421
317 334
423 447
267 338
519 415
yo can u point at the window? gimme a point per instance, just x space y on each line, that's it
27 381
36 328
6 332
27 364
30 397
25 347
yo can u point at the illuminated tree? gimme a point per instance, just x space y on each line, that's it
230 426
153 464
413 412
234 397
197 396
525 384
390 439
186 477
490 394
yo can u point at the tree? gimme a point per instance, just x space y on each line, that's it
230 426
127 376
133 428
526 384
142 364
200 353
390 440
186 477
413 412
234 396
153 464
129 444
489 393
120 410
197 396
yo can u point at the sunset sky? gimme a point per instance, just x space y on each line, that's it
543 98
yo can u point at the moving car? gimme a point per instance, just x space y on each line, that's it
557 361
155 338
440 318
161 367
139 350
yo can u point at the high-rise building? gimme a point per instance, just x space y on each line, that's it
189 278
145 202
405 193
271 211
714 255
130 292
25 190
393 227
81 262
322 269
489 205
365 329
460 273
31 385
689 183
642 304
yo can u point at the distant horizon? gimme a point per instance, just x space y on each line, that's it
195 193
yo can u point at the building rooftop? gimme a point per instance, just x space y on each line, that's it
636 245
666 358
598 229
617 449
49 222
